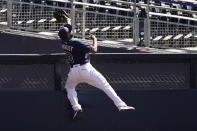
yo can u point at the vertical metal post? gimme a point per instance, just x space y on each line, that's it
147 29
9 13
84 19
73 15
135 26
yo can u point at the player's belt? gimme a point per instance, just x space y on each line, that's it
77 65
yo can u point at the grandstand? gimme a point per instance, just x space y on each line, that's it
168 23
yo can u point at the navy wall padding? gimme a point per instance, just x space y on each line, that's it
20 44
156 110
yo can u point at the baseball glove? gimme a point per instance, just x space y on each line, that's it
60 15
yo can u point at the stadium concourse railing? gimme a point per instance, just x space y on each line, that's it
171 26
39 18
123 71
144 24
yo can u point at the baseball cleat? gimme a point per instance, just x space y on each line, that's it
126 108
76 114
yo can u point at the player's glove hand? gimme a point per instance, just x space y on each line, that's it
60 16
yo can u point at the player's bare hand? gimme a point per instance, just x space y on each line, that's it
92 37
68 20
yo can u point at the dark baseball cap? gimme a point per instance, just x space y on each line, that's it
64 32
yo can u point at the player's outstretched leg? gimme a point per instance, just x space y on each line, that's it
72 96
96 79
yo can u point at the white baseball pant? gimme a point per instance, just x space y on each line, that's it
88 74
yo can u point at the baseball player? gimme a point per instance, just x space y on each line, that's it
78 54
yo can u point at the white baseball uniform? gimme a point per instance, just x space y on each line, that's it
82 71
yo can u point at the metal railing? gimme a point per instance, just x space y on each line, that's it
39 18
157 29
171 27
172 35
3 13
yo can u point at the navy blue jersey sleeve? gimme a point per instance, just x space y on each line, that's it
83 47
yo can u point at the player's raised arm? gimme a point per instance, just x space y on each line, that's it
94 43
68 21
